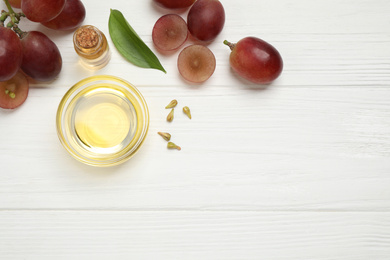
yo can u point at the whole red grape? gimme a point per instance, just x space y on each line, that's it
42 10
14 91
70 18
175 4
255 60
41 58
10 53
206 19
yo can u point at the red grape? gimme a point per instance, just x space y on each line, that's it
174 4
169 32
15 3
70 18
14 91
10 53
255 60
196 63
41 58
206 19
42 10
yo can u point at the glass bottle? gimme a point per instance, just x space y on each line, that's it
92 47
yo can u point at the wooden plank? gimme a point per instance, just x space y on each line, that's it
279 148
194 235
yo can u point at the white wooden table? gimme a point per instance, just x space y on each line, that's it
296 170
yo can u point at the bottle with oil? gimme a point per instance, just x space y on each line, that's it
92 47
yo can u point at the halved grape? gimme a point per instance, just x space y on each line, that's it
70 18
169 32
175 4
15 3
206 19
42 10
41 58
196 63
14 92
10 53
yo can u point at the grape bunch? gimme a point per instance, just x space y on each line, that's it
32 54
205 20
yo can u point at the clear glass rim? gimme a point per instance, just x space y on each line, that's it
124 154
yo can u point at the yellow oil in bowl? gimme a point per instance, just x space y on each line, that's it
102 120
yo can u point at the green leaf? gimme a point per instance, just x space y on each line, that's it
129 44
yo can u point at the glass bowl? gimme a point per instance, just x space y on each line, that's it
102 120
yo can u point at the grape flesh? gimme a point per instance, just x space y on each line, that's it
42 10
169 32
70 18
41 58
206 19
14 91
15 3
175 4
10 53
255 60
196 63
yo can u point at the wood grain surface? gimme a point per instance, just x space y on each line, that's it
298 169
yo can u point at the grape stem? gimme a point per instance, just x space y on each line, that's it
231 45
3 16
14 19
10 10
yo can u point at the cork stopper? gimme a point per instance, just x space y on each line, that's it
87 37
